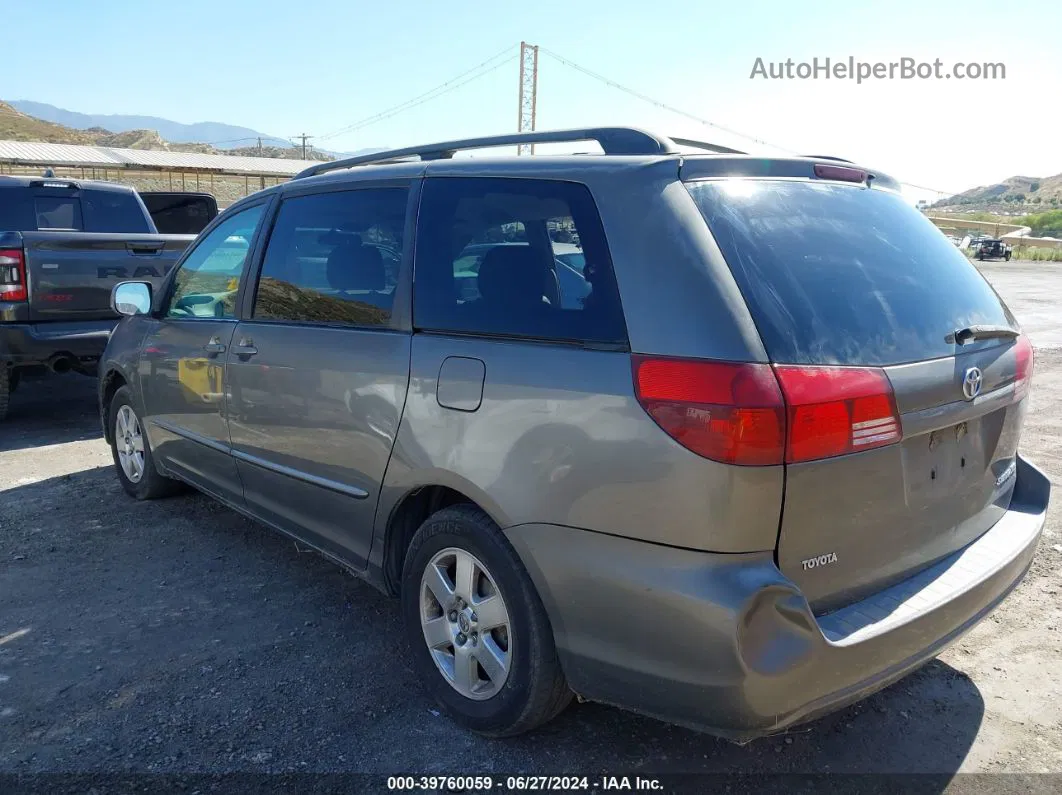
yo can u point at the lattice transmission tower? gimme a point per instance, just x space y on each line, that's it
528 93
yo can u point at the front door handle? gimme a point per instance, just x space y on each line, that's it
245 348
214 347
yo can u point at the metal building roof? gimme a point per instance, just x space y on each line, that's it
40 154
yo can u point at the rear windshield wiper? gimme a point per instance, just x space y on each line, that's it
973 333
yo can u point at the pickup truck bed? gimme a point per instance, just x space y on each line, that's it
67 317
55 284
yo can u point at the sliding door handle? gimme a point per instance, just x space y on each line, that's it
245 348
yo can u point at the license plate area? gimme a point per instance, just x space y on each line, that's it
945 463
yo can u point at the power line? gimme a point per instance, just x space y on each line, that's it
272 141
694 117
438 91
228 141
408 106
658 103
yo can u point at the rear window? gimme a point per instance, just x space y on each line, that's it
844 275
31 208
58 212
113 211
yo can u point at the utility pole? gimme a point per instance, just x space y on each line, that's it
259 144
528 93
304 138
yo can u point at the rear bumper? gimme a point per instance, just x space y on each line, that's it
727 644
36 343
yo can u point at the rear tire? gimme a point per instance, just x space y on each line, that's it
132 453
528 689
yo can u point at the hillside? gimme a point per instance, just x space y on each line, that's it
18 126
1016 194
226 136
207 137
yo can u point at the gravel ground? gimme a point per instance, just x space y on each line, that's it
179 637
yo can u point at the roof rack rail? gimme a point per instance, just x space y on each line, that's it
614 140
726 150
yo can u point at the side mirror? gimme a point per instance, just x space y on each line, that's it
131 298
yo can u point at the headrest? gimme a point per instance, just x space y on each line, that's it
355 266
513 276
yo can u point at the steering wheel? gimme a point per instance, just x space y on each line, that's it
183 306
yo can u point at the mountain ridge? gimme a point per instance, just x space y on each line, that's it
18 125
1013 193
217 134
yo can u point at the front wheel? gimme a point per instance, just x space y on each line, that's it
131 453
479 634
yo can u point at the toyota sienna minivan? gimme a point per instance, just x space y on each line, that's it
748 453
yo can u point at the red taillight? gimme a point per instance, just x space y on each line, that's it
1023 367
840 173
12 275
756 415
837 410
723 411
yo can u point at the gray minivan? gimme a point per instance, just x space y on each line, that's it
753 458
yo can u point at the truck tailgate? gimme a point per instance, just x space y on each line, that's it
71 274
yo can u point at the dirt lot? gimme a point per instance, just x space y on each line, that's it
178 636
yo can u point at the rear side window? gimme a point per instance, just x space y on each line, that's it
490 260
58 212
333 258
113 211
844 275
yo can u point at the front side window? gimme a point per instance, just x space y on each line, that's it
333 258
515 258
208 280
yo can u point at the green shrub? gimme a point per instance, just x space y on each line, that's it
1039 254
1042 223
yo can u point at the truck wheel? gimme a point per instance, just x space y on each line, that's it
7 386
132 454
479 635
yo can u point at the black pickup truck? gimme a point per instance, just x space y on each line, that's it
63 245
991 248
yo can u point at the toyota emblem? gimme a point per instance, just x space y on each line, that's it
971 383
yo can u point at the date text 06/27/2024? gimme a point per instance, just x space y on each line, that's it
522 783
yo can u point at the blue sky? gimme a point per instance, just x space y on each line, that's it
317 66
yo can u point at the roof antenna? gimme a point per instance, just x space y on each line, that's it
48 173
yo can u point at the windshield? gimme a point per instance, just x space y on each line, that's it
844 275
